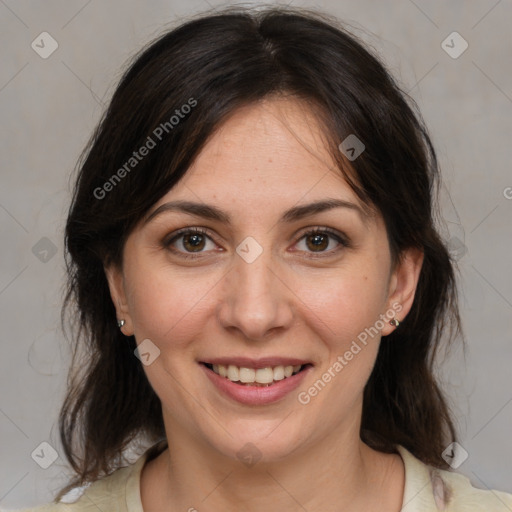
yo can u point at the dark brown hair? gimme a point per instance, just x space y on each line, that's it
222 61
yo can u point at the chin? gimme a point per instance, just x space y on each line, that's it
254 441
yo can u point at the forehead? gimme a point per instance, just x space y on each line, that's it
266 156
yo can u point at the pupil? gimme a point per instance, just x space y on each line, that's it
194 241
317 241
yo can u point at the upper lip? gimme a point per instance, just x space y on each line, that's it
248 362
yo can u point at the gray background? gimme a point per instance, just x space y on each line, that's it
49 108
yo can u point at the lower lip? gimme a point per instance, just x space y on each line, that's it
256 395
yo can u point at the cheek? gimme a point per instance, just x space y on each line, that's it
342 312
341 305
167 305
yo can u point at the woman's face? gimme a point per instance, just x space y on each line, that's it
254 290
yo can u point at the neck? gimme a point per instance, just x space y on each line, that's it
339 469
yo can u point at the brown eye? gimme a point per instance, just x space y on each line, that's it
319 240
188 241
193 242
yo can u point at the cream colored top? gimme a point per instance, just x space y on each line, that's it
426 490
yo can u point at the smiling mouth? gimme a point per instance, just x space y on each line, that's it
258 377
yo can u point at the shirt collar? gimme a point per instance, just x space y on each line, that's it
418 491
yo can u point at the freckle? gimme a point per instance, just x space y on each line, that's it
270 160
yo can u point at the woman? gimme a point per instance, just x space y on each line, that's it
260 287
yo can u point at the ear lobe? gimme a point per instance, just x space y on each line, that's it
115 281
403 284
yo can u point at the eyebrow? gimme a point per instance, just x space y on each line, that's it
293 214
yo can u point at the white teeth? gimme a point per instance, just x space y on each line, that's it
247 375
233 373
279 373
251 375
264 375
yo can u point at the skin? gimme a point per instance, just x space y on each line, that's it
265 159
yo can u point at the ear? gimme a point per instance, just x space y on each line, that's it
118 294
402 285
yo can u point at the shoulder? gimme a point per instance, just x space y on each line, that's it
428 488
107 493
49 507
117 492
463 496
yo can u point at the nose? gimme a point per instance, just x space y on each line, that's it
256 299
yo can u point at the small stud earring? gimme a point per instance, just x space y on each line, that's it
120 323
394 322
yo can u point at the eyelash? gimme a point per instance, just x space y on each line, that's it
341 239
